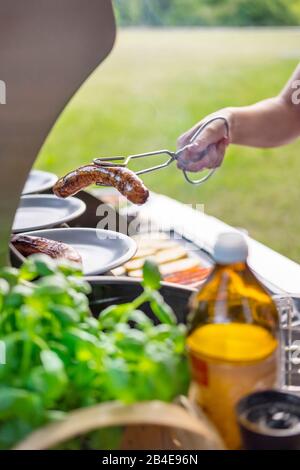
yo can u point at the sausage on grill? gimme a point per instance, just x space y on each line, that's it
28 245
123 179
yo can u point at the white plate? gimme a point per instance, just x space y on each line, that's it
43 210
39 181
100 250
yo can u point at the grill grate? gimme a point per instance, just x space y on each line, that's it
289 308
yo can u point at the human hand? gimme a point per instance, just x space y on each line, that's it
208 149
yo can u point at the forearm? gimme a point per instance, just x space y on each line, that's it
269 123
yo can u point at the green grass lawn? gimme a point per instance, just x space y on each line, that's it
157 83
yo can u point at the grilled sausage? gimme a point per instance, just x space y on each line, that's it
28 245
124 180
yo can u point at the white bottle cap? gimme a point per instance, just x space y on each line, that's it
230 247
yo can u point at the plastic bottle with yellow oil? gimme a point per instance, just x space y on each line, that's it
233 337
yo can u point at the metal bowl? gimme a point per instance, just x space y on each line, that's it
108 290
100 250
40 211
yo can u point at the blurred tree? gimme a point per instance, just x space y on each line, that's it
259 13
208 12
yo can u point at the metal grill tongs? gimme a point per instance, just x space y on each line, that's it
124 161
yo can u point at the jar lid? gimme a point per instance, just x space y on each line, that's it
230 247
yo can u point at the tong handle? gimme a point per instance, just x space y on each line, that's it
194 137
124 161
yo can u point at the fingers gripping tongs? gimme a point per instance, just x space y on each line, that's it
172 156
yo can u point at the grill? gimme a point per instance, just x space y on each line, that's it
117 290
39 85
290 324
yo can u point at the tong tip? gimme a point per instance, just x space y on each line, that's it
109 161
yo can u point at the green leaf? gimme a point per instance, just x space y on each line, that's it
132 343
60 358
141 320
17 295
151 275
4 290
49 384
22 403
52 285
51 362
65 314
80 285
12 431
163 311
69 268
37 265
11 275
117 380
49 379
114 314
